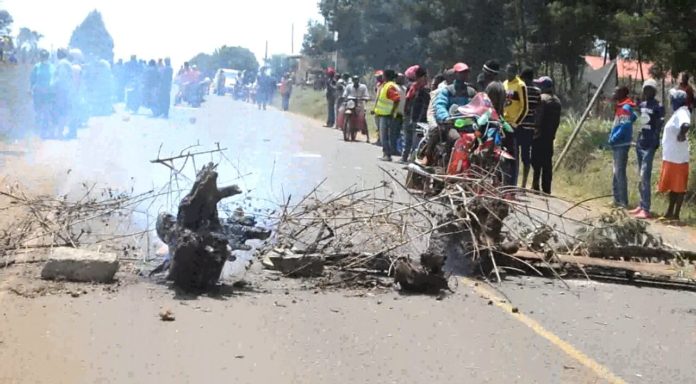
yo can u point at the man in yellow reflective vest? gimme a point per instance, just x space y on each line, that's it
386 107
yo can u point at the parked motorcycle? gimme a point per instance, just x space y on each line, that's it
472 136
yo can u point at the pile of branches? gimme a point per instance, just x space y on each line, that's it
91 216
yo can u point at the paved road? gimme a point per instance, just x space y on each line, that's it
590 333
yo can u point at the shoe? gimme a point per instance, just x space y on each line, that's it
635 210
402 161
386 158
642 215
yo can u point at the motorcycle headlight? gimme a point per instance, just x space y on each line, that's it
350 104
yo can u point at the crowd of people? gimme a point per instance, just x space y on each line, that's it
653 132
147 84
402 100
68 90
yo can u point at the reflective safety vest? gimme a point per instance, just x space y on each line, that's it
384 106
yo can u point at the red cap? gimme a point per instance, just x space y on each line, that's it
460 67
379 73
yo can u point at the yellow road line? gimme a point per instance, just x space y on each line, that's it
599 369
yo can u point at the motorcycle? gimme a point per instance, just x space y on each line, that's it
352 118
471 138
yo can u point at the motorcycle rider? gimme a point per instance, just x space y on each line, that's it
459 93
359 91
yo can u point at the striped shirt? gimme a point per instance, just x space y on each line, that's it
534 96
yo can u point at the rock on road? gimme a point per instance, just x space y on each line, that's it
589 333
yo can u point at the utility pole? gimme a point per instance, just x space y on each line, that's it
265 55
292 39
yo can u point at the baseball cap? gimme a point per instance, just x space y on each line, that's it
460 67
544 82
650 83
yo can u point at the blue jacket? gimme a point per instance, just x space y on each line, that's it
649 134
622 132
457 93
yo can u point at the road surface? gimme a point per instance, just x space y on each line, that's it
526 330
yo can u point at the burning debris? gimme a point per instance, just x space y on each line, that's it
198 241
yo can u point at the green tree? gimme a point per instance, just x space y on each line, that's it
92 38
5 21
226 57
318 40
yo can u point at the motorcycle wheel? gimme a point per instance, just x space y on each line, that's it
353 132
346 129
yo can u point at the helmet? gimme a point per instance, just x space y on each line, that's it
460 67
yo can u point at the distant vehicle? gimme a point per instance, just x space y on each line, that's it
231 77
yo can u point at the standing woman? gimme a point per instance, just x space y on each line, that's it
675 154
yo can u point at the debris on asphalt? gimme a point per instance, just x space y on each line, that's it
199 243
167 315
294 265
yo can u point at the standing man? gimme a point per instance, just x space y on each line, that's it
525 135
379 81
286 91
547 118
165 88
400 112
688 89
651 118
488 75
516 107
418 97
40 85
620 141
675 154
63 85
386 107
330 97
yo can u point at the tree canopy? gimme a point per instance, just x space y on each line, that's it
438 33
92 38
227 57
5 21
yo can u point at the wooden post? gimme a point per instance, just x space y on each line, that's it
575 132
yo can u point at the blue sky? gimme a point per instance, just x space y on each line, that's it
175 28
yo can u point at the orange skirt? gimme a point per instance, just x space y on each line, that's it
673 177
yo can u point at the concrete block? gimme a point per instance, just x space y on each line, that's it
82 265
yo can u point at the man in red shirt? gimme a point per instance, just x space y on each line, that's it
686 87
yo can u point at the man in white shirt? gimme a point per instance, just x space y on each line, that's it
674 176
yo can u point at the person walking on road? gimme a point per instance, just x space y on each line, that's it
651 119
674 175
330 98
385 109
286 91
547 118
620 139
